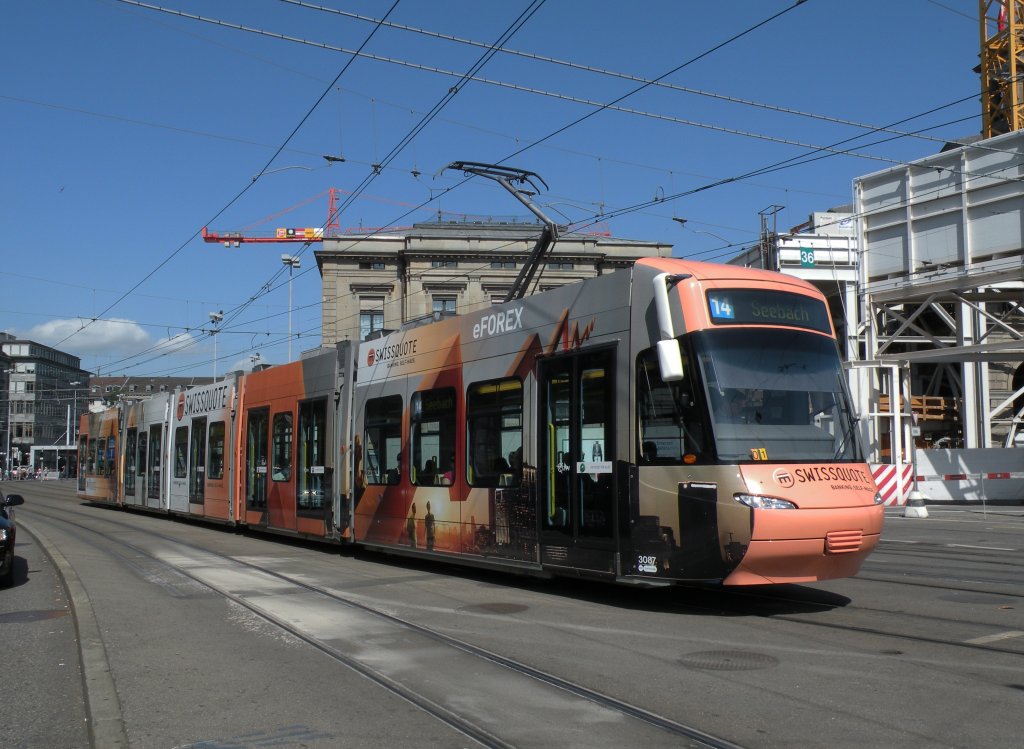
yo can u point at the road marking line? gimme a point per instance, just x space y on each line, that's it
994 638
986 548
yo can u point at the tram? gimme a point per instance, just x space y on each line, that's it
98 472
673 421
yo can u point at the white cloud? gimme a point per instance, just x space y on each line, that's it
176 344
100 338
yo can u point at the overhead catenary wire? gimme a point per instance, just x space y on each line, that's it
659 83
719 252
613 106
614 212
530 10
241 192
607 214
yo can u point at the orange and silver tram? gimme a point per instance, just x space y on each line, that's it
99 436
674 421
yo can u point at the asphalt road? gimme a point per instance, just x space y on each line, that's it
190 636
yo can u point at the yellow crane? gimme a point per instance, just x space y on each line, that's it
1002 66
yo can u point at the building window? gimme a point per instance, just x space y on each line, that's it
371 315
560 266
370 322
366 265
444 264
503 264
444 305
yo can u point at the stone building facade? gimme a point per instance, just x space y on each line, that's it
377 282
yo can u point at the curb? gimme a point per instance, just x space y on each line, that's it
106 724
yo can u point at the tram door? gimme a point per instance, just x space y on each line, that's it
576 460
154 482
197 463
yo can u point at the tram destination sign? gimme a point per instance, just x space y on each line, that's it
766 307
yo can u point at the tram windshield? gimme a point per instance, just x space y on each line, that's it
776 394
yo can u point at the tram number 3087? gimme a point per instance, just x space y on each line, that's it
647 564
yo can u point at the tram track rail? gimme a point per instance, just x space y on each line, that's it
692 735
751 595
908 619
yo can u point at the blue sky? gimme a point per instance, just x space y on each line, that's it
127 129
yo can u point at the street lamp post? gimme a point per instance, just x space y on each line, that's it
292 261
7 455
72 438
215 318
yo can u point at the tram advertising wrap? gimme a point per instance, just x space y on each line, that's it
674 421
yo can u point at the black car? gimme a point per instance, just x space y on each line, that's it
7 536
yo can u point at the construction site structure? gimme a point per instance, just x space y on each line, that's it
940 324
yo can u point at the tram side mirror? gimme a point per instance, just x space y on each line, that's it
670 361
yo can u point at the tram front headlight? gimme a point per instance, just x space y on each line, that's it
879 499
761 502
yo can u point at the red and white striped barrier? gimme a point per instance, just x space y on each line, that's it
893 488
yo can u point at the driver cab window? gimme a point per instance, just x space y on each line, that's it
670 425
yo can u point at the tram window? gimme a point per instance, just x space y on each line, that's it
494 433
216 467
92 457
155 461
256 459
382 440
180 452
83 456
432 427
668 419
311 478
141 463
130 456
111 455
197 461
282 447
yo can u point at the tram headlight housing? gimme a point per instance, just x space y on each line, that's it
761 502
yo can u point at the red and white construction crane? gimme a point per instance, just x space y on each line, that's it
286 234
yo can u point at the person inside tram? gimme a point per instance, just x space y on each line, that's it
429 473
737 407
448 474
500 464
515 461
649 452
